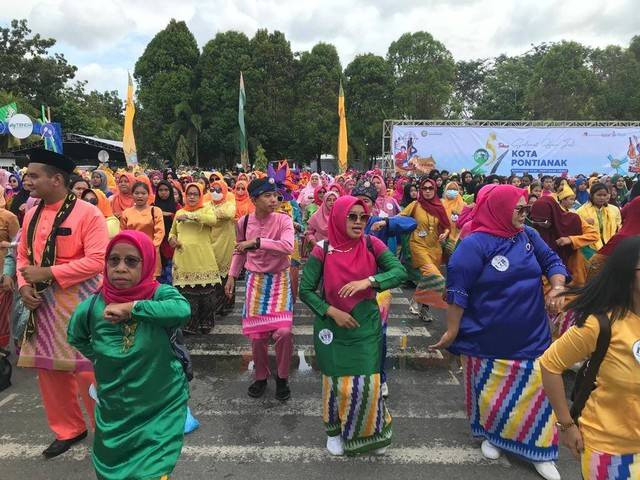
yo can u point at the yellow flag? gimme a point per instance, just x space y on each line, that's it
343 146
128 141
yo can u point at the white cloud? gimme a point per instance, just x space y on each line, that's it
104 78
111 34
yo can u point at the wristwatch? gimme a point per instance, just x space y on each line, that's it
563 427
372 279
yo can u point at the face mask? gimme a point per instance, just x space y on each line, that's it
216 196
451 194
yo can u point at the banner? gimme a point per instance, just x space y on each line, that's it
508 150
7 111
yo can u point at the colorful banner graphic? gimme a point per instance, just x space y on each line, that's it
504 150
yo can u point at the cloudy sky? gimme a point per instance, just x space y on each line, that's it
104 38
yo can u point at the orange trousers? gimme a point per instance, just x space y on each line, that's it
59 391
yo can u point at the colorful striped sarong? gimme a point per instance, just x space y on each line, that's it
268 303
430 287
353 407
605 466
507 406
48 347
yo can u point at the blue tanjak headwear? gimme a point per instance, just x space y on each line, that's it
261 185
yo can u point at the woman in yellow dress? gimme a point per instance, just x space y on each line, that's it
195 269
144 218
224 239
426 248
599 213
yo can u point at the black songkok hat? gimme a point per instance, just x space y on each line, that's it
53 159
365 189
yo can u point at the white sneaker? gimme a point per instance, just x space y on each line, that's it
489 451
414 307
380 451
547 470
335 445
385 390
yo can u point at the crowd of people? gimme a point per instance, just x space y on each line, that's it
104 271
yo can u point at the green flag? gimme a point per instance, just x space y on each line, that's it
244 151
8 111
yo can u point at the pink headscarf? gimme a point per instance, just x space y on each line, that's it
319 221
465 219
338 187
398 194
146 287
494 211
349 259
384 203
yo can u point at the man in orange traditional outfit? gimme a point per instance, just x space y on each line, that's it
60 259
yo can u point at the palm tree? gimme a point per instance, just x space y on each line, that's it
188 125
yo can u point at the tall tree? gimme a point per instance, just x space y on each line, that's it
562 86
425 74
369 99
28 70
218 70
272 95
468 91
315 119
187 125
166 78
618 74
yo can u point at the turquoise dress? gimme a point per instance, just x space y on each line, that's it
142 389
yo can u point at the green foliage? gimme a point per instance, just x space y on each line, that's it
425 74
166 77
187 125
261 161
181 156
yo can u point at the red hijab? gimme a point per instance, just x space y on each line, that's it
348 259
563 224
630 227
494 211
316 197
434 206
146 287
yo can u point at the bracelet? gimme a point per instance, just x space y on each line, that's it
563 427
257 242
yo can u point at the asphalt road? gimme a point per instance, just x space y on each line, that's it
244 438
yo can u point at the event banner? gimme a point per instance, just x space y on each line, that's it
509 150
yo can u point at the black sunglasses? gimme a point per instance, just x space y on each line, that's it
130 262
523 209
358 217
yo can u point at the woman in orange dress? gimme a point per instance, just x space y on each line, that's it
145 218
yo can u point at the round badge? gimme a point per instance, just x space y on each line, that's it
528 247
389 206
500 263
367 184
636 350
326 336
272 181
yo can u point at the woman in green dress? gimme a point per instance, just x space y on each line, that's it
348 328
142 389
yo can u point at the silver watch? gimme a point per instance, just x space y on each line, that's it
372 279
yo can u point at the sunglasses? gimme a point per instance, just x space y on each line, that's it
427 189
358 217
130 262
523 209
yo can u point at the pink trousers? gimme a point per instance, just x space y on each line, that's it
283 339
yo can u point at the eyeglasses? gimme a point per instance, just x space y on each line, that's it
358 217
217 189
130 262
427 189
523 209
193 194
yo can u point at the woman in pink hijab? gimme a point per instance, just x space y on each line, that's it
386 206
318 225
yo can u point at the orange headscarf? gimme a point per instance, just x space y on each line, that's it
144 179
119 201
244 205
223 188
187 207
103 203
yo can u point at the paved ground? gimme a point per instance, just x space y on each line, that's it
243 438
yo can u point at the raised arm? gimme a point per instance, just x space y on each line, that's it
169 309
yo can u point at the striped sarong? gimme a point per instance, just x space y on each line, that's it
268 303
353 407
48 347
507 406
604 466
430 287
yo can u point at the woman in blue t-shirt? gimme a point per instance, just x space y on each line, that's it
497 320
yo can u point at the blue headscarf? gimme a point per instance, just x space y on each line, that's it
582 196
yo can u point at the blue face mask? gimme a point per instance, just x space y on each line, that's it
451 194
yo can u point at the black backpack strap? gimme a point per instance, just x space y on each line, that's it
589 371
245 224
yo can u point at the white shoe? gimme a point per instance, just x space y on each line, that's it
385 390
489 451
335 446
414 307
547 470
380 451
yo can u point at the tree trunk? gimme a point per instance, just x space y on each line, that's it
319 163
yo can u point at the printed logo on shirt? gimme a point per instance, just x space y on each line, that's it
326 336
389 206
636 350
500 263
528 247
